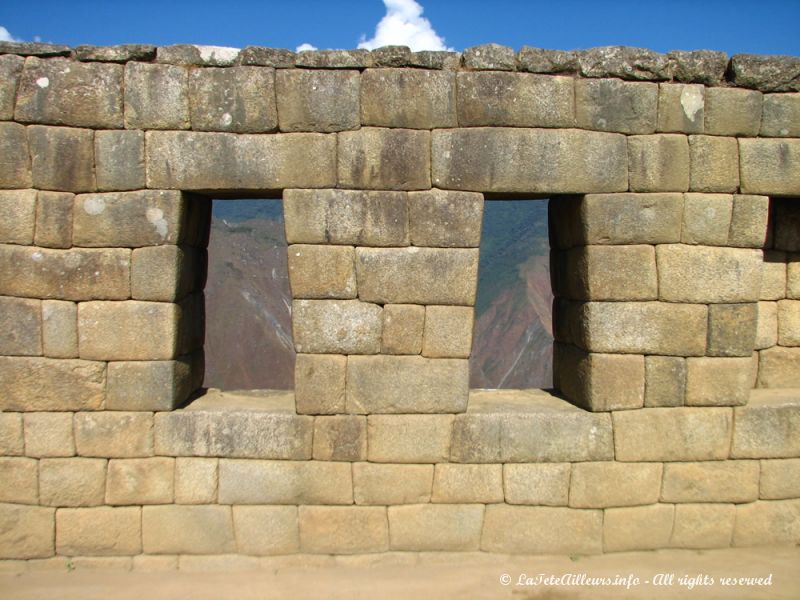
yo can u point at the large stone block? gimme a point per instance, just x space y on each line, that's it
101 531
464 484
334 59
779 368
387 484
54 219
226 161
237 99
62 158
72 481
114 434
672 434
10 69
718 381
319 384
780 116
430 527
713 481
377 158
193 55
770 166
700 526
749 221
266 530
789 322
637 527
284 482
20 480
767 327
165 273
704 274
707 219
624 62
119 160
731 330
665 381
765 72
542 530
489 57
140 481
440 218
322 271
412 98
32 384
12 440
680 108
156 96
343 529
317 100
174 529
17 216
611 273
403 327
336 326
401 384
15 162
771 522
448 331
49 434
417 275
605 484
780 479
148 385
196 480
529 161
26 531
767 427
658 163
615 105
545 484
773 275
714 163
409 438
731 111
20 327
61 91
341 437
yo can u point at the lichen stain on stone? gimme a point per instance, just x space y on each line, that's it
43 82
156 217
94 206
691 102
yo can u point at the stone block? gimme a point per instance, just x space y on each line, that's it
226 161
658 163
17 216
119 160
611 273
121 53
341 437
637 527
402 384
319 384
196 480
164 273
539 60
377 158
322 271
266 57
12 441
789 322
76 274
403 326
770 167
734 481
545 484
174 529
672 434
417 275
448 331
615 105
26 531
20 480
391 56
700 526
793 278
786 223
387 484
467 484
779 368
148 385
266 530
607 484
767 327
33 384
49 434
114 434
59 329
714 163
731 111
315 100
334 59
234 433
62 158
497 159
411 98
665 381
780 479
409 438
54 220
749 221
20 327
284 482
489 57
445 219
140 481
707 218
101 531
770 522
706 274
624 62
336 326
350 217
542 530
15 160
194 55
343 529
439 528
156 96
435 59
72 481
767 427
774 273
680 108
236 99
10 69
780 116
765 72
731 331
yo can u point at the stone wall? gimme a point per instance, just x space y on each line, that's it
675 243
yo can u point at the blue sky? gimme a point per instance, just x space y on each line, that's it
759 26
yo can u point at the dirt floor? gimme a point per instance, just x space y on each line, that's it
661 574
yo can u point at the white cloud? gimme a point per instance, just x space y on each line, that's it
5 36
404 25
305 46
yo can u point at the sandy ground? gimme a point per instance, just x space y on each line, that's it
475 577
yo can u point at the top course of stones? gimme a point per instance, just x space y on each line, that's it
758 72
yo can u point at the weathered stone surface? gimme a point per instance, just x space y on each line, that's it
196 481
542 530
140 481
377 158
343 529
767 427
10 69
409 438
314 100
319 384
279 58
336 326
156 96
341 437
266 530
680 108
435 59
665 381
793 278
402 384
412 98
749 221
20 327
403 326
60 91
539 60
237 99
463 484
62 158
448 331
391 56
388 484
614 105
733 112
220 161
699 66
707 218
731 332
49 434
15 160
334 59
431 527
119 160
611 273
625 62
219 563
707 274
714 163
72 481
20 480
489 57
544 484
529 160
769 166
164 273
101 531
780 479
767 523
767 327
417 275
154 563
774 275
121 53
766 73
789 323
26 531
17 216
701 526
780 116
714 481
54 219
658 163
438 218
672 434
12 441
174 529
148 385
194 55
637 527
31 384
284 482
779 368
605 484
232 433
114 434
322 271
